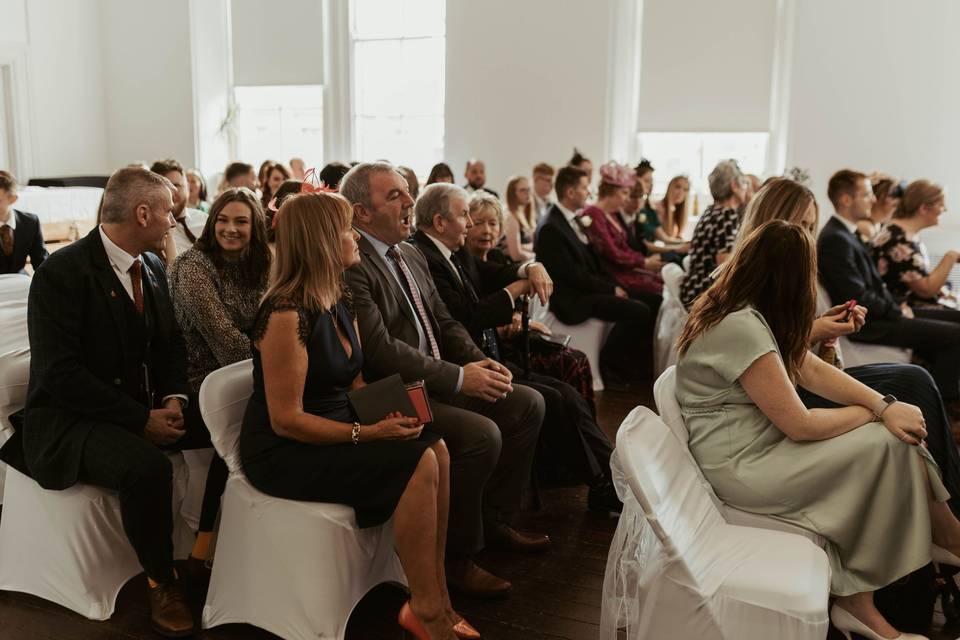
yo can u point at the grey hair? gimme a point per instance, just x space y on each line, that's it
127 189
355 184
720 178
436 199
481 200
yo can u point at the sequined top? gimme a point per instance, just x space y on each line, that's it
215 310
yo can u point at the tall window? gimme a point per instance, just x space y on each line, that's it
398 50
279 123
696 154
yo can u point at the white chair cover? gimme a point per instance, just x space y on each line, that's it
14 377
67 546
14 286
588 337
670 319
296 569
13 325
665 395
676 569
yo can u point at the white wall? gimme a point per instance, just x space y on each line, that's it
876 86
60 45
525 81
278 42
147 81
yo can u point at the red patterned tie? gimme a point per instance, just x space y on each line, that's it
135 277
6 239
395 255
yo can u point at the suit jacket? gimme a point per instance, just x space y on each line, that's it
495 306
388 327
86 358
27 241
575 270
847 272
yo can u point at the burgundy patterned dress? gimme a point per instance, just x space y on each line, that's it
609 241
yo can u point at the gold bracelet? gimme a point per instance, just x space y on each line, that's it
355 433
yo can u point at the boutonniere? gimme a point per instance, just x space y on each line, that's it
584 221
642 218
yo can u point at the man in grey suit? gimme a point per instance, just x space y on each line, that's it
490 425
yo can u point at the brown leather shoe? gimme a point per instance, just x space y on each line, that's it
505 538
468 579
169 614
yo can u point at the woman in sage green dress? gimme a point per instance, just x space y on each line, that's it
857 475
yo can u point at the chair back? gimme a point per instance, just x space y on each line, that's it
672 275
14 286
664 480
665 395
14 379
13 325
223 401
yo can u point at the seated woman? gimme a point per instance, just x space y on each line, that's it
888 193
672 211
273 178
520 220
300 438
782 199
441 172
636 273
742 351
902 259
197 191
216 286
569 365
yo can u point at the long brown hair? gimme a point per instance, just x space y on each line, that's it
524 217
674 221
779 199
309 232
255 259
775 271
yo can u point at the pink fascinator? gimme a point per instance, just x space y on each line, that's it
311 184
618 174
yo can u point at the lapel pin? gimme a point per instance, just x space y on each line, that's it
113 294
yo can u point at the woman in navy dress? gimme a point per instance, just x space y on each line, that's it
301 439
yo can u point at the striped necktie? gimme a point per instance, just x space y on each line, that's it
411 286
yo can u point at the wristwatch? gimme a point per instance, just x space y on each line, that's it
881 406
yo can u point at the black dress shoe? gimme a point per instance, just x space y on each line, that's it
603 497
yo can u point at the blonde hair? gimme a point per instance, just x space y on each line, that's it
917 194
481 200
780 199
525 218
309 261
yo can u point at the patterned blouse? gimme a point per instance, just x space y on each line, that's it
215 312
901 261
715 233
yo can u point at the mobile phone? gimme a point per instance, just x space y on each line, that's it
849 310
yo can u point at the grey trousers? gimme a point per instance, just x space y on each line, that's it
491 454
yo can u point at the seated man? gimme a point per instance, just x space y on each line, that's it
490 426
240 174
190 222
583 289
108 378
442 221
848 272
20 234
476 175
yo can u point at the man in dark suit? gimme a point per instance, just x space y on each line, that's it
108 378
476 175
847 271
583 289
20 233
443 218
489 425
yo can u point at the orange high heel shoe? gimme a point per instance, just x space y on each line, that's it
465 631
411 623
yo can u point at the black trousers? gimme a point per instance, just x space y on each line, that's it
631 340
570 436
913 385
116 459
934 334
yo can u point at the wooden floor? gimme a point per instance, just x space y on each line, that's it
555 596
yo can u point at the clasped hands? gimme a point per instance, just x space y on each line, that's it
165 426
487 380
831 325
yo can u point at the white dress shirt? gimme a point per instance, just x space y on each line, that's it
196 220
11 220
851 226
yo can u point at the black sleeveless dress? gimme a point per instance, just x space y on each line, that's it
369 477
